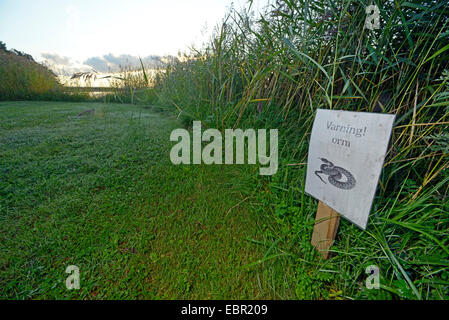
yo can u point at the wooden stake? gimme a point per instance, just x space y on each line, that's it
326 226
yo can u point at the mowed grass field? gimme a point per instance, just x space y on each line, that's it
100 192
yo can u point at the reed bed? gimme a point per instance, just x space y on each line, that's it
21 78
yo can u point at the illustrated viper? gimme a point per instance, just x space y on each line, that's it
335 174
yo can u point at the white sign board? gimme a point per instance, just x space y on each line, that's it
346 155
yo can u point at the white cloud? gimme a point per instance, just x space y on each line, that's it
63 65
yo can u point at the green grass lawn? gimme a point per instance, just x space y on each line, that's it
100 192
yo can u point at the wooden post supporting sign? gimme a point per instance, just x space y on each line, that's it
325 230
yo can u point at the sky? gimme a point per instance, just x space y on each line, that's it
74 31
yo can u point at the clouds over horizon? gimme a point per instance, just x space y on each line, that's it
107 63
62 65
56 58
112 63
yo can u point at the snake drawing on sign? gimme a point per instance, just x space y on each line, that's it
335 174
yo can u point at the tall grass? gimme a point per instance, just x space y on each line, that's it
133 86
275 70
21 78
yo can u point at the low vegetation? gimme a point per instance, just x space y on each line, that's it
99 191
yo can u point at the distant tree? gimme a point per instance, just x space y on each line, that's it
2 46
